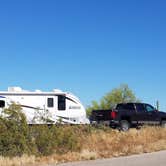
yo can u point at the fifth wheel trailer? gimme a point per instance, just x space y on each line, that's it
55 106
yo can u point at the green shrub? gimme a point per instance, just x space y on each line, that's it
58 139
14 137
43 139
66 139
18 138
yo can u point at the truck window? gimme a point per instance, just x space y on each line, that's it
128 106
140 107
149 108
50 102
2 103
61 103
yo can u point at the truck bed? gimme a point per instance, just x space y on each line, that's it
100 115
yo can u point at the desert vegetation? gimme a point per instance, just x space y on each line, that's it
21 144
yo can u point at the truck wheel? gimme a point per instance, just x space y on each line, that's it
163 124
124 125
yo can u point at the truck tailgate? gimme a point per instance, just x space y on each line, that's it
101 115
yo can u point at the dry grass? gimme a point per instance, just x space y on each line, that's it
103 144
17 161
115 143
88 155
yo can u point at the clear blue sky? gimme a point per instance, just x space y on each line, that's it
87 47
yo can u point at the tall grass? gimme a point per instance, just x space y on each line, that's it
92 143
115 143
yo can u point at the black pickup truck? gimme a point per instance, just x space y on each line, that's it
127 115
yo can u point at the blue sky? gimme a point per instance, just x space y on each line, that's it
87 47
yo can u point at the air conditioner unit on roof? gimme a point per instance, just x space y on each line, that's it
14 89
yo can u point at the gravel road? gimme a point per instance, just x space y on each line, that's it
150 159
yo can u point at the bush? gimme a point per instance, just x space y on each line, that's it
18 138
14 137
58 139
66 139
43 139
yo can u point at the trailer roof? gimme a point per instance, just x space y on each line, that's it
32 93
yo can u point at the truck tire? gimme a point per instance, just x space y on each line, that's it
124 125
163 123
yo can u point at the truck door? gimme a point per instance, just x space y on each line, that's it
141 115
152 115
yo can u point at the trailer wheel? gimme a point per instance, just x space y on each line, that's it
124 125
163 123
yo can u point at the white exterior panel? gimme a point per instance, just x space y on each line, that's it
35 106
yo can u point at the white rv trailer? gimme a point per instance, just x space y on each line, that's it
38 106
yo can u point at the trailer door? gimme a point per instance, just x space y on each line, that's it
51 106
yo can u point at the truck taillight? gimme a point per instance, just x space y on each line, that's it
113 114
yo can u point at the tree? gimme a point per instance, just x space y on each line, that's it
122 94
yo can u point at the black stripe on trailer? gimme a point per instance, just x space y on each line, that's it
26 106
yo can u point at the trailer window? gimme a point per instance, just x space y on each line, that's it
2 103
50 102
61 103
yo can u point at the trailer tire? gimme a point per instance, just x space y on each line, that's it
124 125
